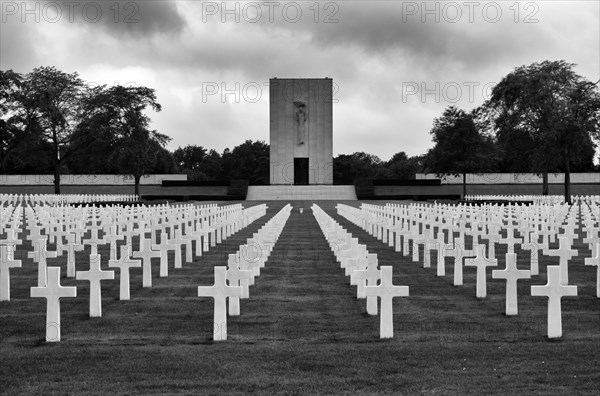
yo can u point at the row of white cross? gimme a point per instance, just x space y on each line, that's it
219 221
362 267
57 199
233 282
185 224
538 199
11 220
416 223
403 227
533 223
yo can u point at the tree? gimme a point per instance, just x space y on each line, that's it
18 124
115 116
249 160
138 152
197 164
226 163
401 167
579 122
359 165
459 147
189 160
51 100
212 166
165 162
30 157
556 110
95 138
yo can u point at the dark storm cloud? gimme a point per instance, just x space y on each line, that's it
90 27
432 36
136 18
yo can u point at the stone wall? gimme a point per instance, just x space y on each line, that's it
101 180
513 178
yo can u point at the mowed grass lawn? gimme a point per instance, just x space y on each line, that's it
302 330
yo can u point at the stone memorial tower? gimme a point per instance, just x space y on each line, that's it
301 131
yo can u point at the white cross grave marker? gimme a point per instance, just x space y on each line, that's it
459 253
456 250
146 254
493 236
163 247
386 291
220 291
371 275
40 254
510 239
7 262
354 263
176 242
593 240
125 263
11 239
52 291
113 237
71 247
565 253
235 276
534 249
188 238
252 254
94 240
128 233
554 290
441 258
481 262
141 229
95 275
430 244
595 260
511 274
417 239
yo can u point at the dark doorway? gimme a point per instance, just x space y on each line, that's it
301 171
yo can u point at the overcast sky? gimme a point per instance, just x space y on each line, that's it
395 66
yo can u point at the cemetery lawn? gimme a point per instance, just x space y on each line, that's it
302 330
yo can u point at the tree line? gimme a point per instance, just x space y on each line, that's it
542 118
54 122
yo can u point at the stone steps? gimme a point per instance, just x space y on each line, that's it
295 193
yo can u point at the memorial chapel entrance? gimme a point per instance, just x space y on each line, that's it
301 171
